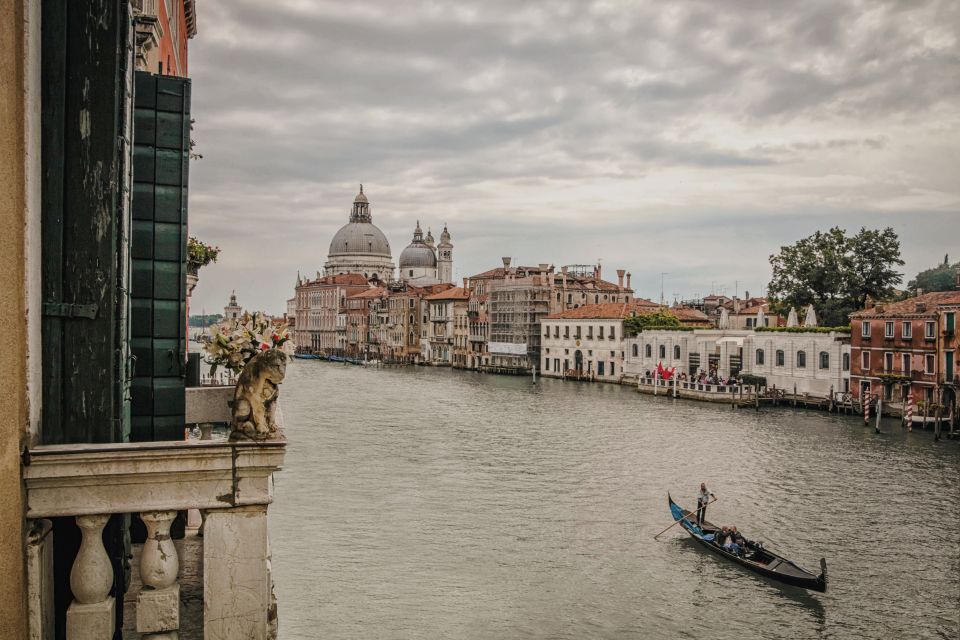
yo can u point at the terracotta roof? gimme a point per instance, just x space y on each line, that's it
369 293
456 293
351 279
752 311
911 306
605 310
686 315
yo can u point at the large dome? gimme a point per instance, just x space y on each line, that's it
417 254
359 238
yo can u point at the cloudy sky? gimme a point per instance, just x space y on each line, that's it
687 137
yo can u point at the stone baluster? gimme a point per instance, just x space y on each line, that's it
91 615
158 603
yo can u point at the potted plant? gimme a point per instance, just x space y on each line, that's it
234 342
200 254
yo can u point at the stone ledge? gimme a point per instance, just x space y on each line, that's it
63 480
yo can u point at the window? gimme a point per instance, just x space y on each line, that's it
663 351
600 332
801 359
636 351
612 370
930 363
648 351
949 321
676 352
600 368
865 328
865 360
546 364
888 329
905 363
906 330
566 331
780 357
930 330
590 333
846 362
546 331
759 356
556 331
888 362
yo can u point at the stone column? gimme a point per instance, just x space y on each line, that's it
91 615
40 608
158 603
236 577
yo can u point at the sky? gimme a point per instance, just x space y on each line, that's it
690 138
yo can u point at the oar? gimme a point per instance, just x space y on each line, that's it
685 517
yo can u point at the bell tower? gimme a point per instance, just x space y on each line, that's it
445 257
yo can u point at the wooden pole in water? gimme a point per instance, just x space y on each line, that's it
926 412
876 428
910 410
936 424
866 407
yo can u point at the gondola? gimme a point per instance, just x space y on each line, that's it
756 557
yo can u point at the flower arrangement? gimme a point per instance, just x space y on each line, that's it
234 342
200 254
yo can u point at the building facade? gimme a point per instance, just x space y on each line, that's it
162 28
445 310
318 305
908 347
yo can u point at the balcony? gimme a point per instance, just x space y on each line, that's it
231 483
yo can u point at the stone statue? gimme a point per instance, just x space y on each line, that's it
253 402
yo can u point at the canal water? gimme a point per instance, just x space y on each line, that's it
430 503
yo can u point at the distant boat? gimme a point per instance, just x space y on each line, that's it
756 559
307 356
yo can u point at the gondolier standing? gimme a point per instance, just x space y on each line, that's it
702 499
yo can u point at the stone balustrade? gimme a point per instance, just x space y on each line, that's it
232 482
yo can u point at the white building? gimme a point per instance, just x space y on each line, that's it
812 361
232 311
422 265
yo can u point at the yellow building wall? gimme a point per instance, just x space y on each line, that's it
13 340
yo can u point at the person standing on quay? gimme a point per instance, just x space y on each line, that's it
702 499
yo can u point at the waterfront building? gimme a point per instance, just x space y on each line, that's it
587 342
907 346
318 304
478 329
358 310
810 361
360 246
422 265
445 257
445 309
232 311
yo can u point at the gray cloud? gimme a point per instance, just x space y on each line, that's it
644 133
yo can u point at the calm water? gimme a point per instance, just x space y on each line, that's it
424 503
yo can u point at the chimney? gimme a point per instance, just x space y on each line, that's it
465 287
543 267
506 263
868 303
620 273
628 281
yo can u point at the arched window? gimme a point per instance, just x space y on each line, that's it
676 352
648 351
801 359
824 360
759 356
636 351
779 357
846 362
663 351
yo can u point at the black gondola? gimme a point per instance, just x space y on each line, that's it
756 558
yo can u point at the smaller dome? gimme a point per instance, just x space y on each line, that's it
417 255
360 197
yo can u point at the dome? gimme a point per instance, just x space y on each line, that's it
359 238
417 254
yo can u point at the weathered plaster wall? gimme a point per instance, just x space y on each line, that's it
13 340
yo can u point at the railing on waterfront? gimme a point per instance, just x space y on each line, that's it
230 482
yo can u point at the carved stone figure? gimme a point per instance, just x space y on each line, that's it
253 402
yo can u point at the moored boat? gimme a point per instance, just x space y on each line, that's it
756 557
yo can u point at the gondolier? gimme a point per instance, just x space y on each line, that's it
702 499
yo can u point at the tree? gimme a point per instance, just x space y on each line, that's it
942 277
835 272
661 319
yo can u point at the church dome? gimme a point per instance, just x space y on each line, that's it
359 238
417 254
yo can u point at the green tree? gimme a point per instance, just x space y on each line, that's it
662 319
942 277
835 272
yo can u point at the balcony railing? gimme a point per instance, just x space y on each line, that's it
230 482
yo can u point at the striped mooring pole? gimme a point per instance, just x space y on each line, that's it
910 411
866 407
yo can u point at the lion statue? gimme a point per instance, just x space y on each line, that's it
253 402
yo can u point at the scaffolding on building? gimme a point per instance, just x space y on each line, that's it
515 307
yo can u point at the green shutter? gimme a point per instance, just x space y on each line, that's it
159 253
